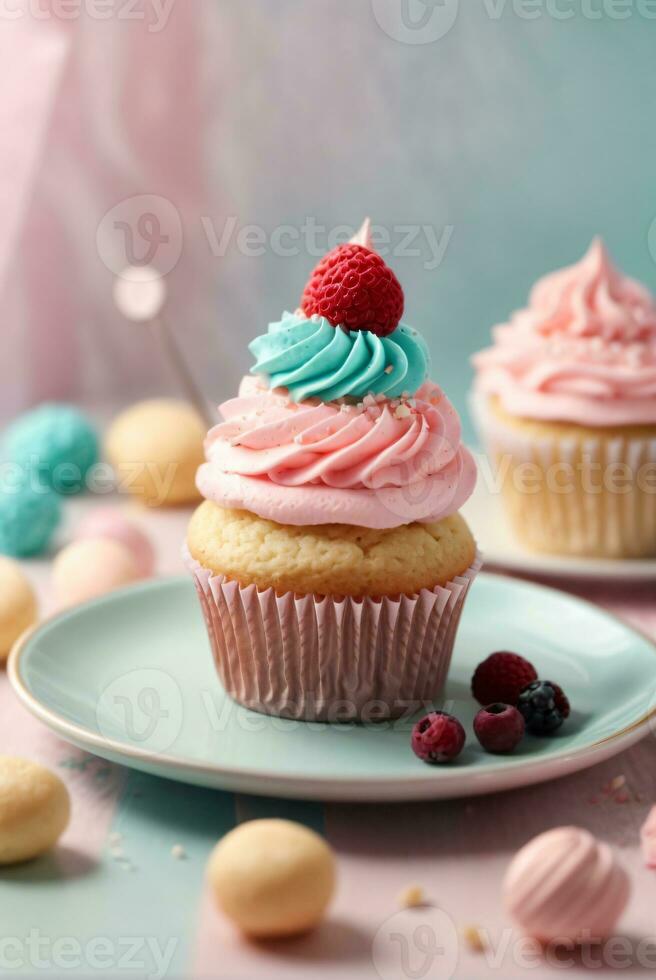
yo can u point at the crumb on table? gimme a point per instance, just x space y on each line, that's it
474 938
411 897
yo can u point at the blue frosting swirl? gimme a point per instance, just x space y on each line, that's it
313 359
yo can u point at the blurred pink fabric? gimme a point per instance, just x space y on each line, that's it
95 111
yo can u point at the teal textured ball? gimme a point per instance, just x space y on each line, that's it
29 517
57 442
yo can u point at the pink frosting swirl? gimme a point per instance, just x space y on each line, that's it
380 464
584 350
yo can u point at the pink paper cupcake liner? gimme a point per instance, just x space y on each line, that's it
329 658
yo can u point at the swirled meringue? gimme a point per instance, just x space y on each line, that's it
583 351
564 884
311 358
379 464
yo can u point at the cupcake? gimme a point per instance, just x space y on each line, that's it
329 556
565 402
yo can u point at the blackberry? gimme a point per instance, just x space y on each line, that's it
539 706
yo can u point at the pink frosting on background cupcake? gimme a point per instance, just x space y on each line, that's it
583 351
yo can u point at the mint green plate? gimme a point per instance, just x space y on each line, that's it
129 677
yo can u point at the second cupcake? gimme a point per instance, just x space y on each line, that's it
565 401
329 555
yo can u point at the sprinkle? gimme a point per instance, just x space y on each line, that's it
411 897
178 852
617 783
380 398
368 400
401 412
389 369
474 938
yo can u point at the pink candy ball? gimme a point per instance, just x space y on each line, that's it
90 568
565 884
109 522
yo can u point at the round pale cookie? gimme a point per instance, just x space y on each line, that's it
90 568
34 809
155 448
329 559
18 605
111 522
272 877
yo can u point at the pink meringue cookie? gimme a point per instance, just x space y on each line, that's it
564 884
109 522
379 464
648 838
583 351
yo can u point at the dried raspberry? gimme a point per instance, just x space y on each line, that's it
438 737
502 678
353 288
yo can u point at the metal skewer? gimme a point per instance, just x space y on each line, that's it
140 295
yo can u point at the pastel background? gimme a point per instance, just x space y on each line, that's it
514 137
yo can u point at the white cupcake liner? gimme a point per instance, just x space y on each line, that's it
330 658
592 518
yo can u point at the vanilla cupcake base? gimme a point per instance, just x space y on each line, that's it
329 559
330 658
573 490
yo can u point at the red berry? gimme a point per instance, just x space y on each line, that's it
502 678
499 728
353 288
438 737
561 699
